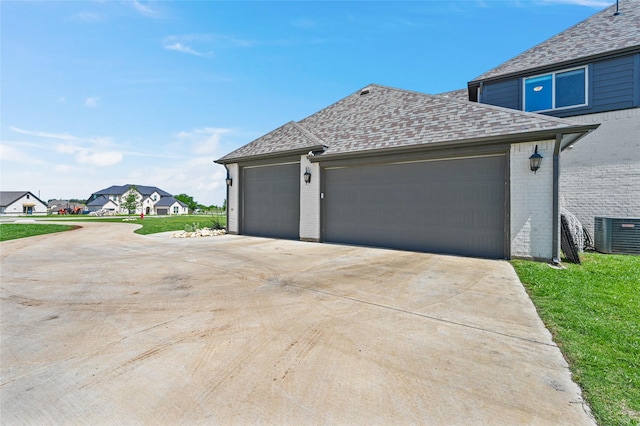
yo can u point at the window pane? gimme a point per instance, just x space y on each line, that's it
537 93
570 88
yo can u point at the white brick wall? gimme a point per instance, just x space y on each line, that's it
600 176
531 202
233 225
309 201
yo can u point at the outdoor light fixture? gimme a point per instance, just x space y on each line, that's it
229 181
307 176
535 160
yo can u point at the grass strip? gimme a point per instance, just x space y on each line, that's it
593 312
13 231
156 224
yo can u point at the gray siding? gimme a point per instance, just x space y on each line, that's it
614 84
502 93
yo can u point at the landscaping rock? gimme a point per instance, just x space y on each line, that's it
204 232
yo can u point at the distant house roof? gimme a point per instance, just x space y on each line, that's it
9 197
99 201
168 202
600 34
121 189
379 117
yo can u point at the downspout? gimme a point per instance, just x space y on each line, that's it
555 253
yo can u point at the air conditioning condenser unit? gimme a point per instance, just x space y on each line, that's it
617 235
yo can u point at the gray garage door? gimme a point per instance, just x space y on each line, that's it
452 206
271 206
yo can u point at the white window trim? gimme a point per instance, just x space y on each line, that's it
553 89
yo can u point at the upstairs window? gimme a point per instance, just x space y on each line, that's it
556 90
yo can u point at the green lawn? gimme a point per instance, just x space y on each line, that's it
593 312
155 224
150 224
12 231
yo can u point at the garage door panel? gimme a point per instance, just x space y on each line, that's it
449 206
271 205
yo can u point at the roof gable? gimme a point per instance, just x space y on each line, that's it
168 202
9 197
597 35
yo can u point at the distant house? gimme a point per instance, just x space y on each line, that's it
169 205
16 203
151 200
589 73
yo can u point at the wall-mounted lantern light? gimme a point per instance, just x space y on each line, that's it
229 181
307 176
535 160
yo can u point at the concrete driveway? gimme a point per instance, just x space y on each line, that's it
103 326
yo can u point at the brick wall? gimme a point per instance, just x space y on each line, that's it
233 203
309 201
531 202
600 176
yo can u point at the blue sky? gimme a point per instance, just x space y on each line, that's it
101 93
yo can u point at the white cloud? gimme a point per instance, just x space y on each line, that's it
12 154
205 140
64 168
99 159
201 44
63 136
179 47
95 151
91 101
66 148
145 9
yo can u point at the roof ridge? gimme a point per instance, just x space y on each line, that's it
308 134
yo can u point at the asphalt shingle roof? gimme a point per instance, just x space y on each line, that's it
460 94
9 197
385 117
121 189
168 202
599 34
98 201
289 137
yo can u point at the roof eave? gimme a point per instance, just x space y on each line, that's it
533 136
270 155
